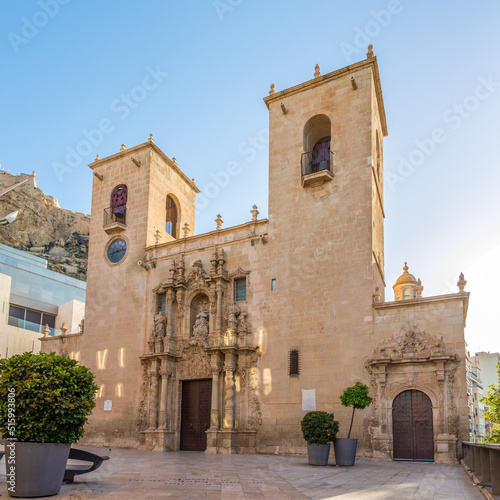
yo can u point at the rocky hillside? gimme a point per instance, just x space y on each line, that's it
43 228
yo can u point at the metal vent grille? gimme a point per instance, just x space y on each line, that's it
293 363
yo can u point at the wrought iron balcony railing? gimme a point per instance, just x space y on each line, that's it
114 214
317 161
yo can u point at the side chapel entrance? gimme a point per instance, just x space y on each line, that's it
412 426
195 414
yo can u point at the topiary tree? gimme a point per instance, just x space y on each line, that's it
45 398
319 427
357 397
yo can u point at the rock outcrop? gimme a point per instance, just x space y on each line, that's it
43 228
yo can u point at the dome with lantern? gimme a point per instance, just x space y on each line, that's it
407 286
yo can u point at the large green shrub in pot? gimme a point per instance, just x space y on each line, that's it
319 427
54 396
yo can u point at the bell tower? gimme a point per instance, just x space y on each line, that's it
140 198
325 177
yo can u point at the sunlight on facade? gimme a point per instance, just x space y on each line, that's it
119 390
102 357
100 391
121 357
267 385
75 355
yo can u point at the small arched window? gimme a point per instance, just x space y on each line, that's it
119 198
171 219
406 294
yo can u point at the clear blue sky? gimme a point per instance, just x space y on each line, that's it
70 64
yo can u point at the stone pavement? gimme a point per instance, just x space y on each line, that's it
132 474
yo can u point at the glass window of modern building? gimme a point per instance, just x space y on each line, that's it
36 292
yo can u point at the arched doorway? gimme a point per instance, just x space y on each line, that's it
412 426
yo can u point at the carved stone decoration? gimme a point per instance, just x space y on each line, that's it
196 276
160 323
153 398
255 413
142 412
195 362
200 328
229 399
410 342
232 313
242 321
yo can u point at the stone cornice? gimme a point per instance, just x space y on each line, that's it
157 150
460 296
315 82
218 232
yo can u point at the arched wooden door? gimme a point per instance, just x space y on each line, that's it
412 426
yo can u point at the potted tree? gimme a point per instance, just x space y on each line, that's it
319 428
45 400
357 397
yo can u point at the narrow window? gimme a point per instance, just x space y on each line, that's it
162 303
171 219
240 289
406 294
273 284
293 363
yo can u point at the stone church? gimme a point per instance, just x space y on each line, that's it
219 342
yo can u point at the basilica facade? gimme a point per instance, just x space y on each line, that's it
219 342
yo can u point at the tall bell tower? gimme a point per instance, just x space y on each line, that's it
140 198
325 176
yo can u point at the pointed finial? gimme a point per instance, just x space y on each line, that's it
63 329
254 213
123 147
419 288
157 237
151 138
46 331
272 91
317 72
369 54
185 230
97 157
461 282
174 159
219 222
405 269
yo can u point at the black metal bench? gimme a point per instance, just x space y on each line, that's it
77 469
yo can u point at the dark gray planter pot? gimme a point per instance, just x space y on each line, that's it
318 453
345 451
35 469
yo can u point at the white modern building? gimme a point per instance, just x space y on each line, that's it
33 297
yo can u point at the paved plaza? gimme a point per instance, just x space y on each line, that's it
132 474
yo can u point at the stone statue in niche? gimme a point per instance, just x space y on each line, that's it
160 326
231 316
200 328
242 321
